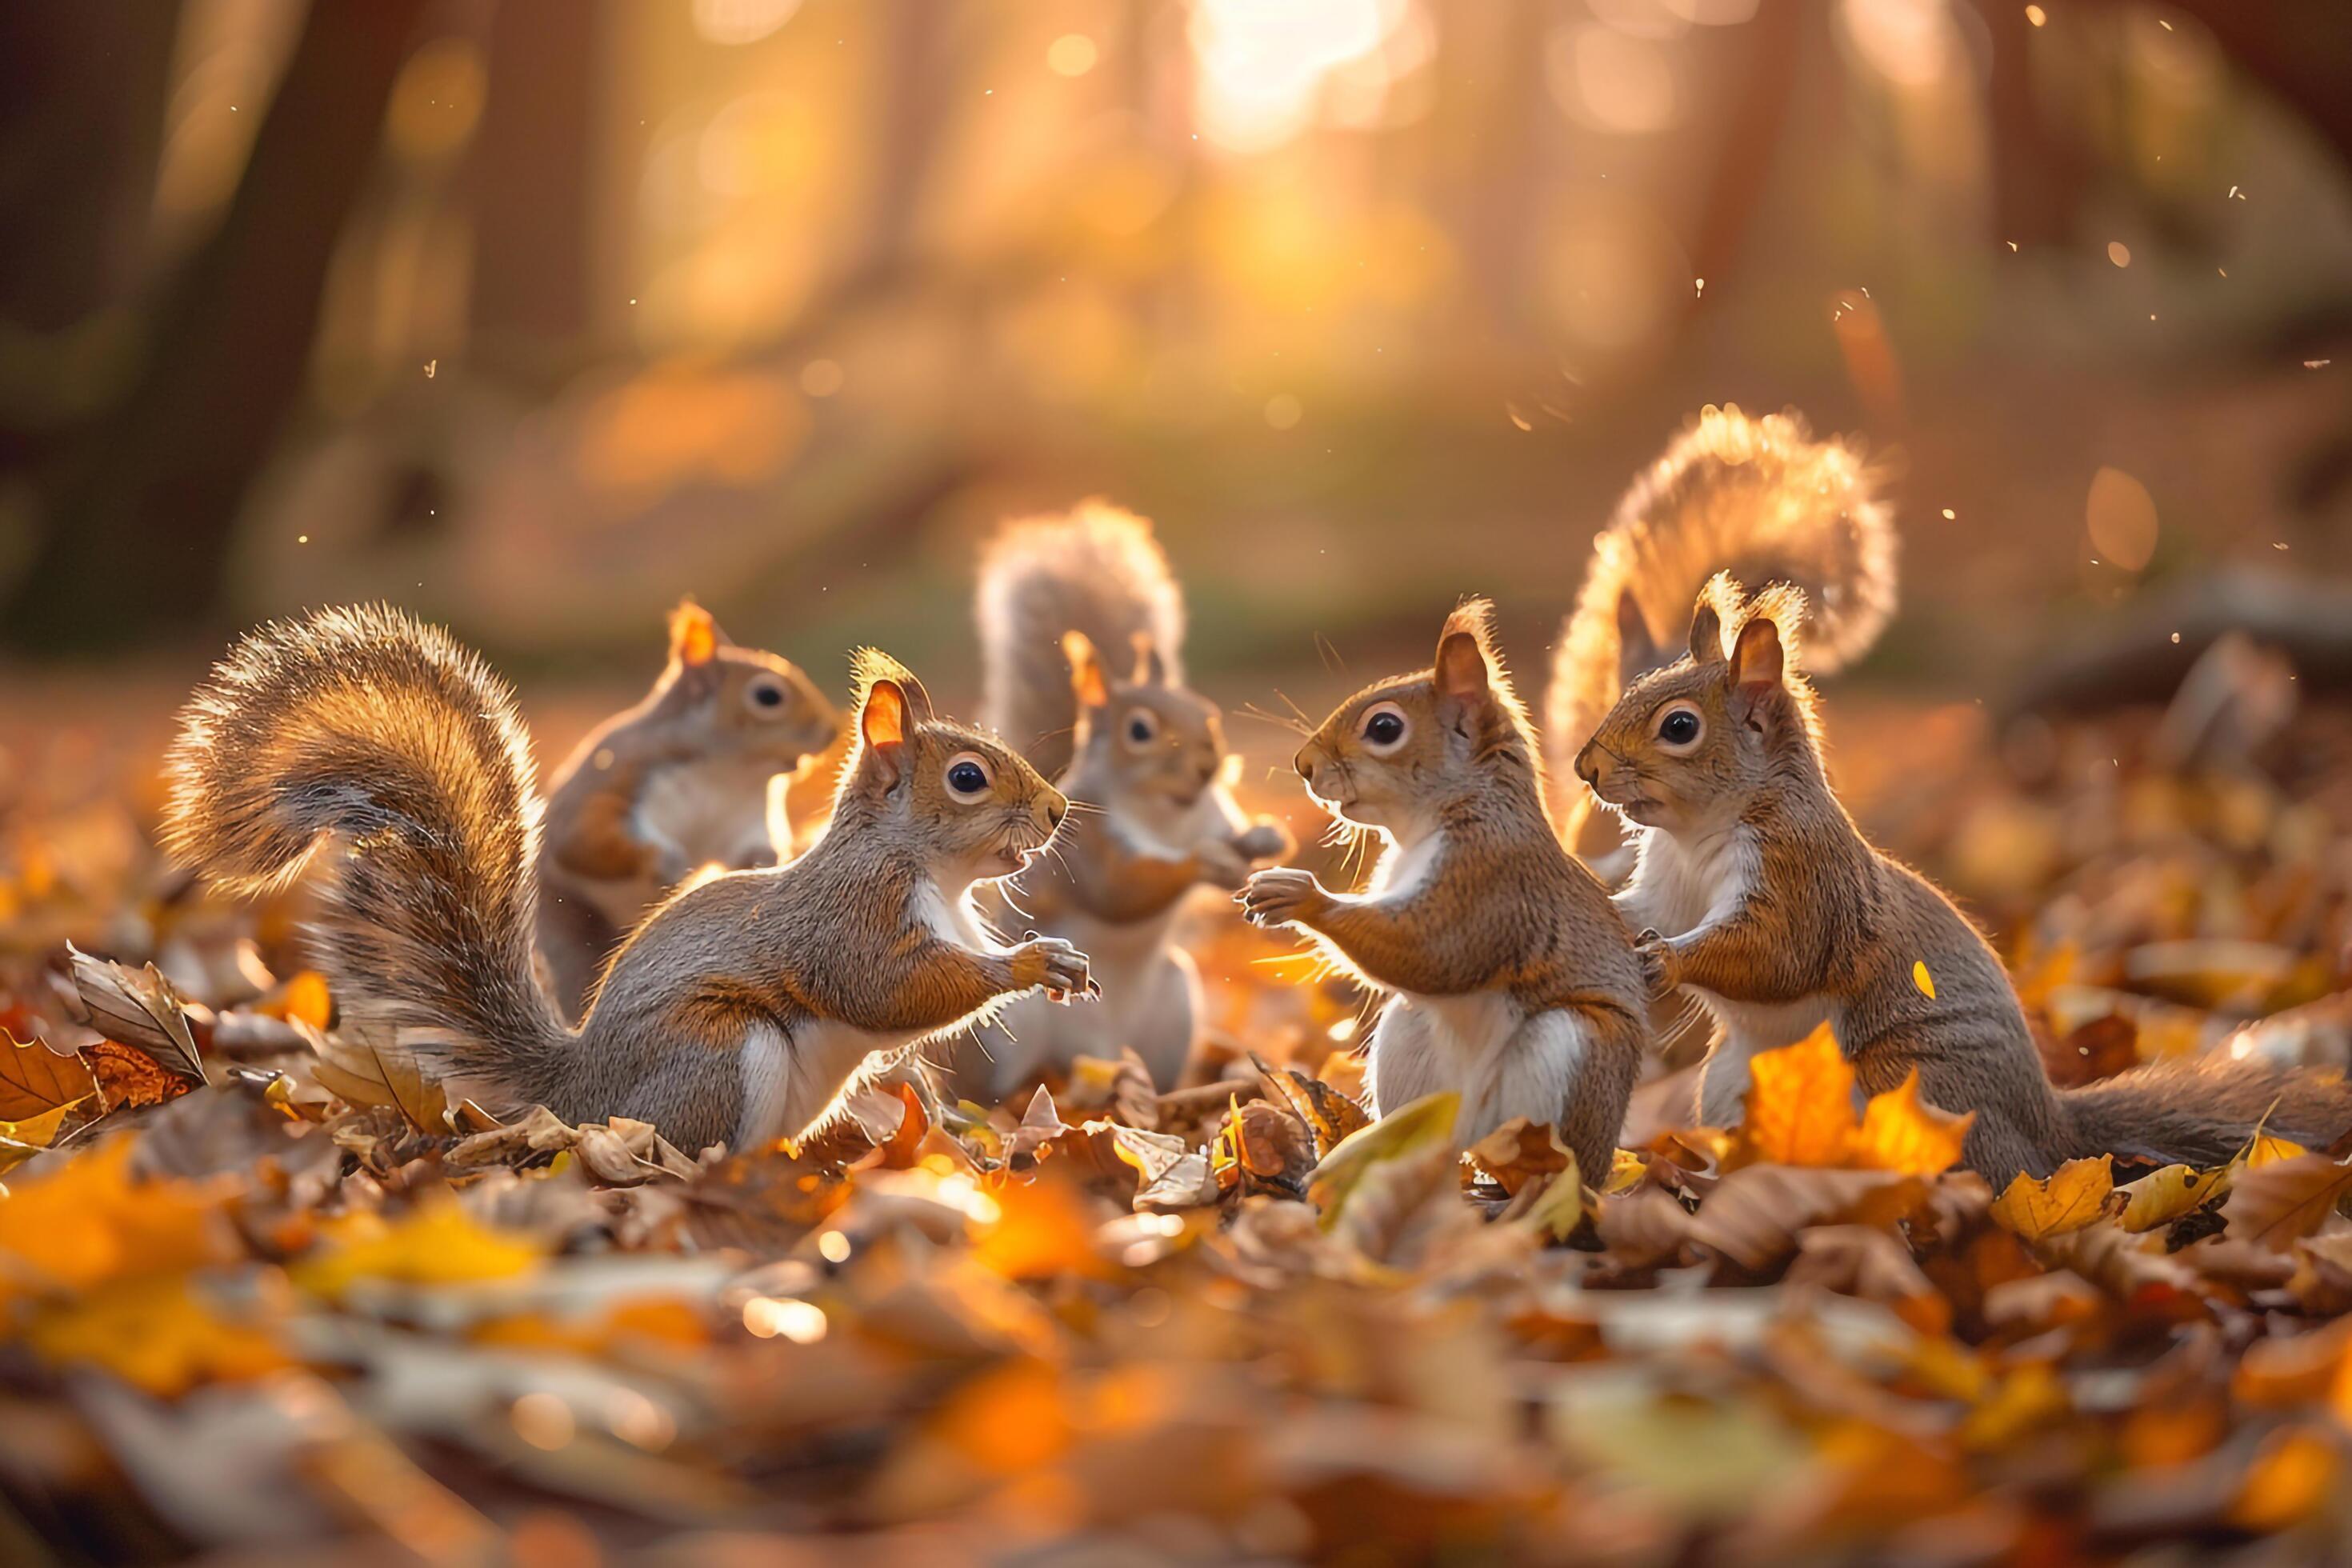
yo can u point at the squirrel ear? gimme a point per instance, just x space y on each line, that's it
1087 680
1756 659
1461 666
694 636
1637 650
1151 669
1707 634
882 725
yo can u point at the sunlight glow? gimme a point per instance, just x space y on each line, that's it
742 21
1612 80
1072 54
1911 43
1263 68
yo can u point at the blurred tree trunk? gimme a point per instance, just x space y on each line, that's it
2038 173
133 521
83 94
534 189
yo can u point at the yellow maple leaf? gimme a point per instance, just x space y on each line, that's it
2162 1197
88 1222
1801 1104
1900 1132
160 1336
437 1243
2073 1195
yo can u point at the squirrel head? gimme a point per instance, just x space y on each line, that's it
1143 739
1394 753
743 703
968 805
1687 745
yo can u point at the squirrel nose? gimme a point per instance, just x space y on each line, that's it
1591 766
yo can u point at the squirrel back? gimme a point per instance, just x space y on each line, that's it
1758 498
364 724
1097 571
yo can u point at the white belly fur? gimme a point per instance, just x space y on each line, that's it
1677 888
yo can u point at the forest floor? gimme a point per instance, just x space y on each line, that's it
261 1304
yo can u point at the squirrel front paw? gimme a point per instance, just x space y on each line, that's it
1661 965
1281 895
1053 964
1266 840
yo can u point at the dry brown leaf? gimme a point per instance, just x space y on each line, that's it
137 1007
130 1079
1874 1264
1520 1151
35 1081
2277 1204
1644 1229
1755 1216
1329 1114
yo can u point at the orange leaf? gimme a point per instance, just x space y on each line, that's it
86 1223
304 996
1900 1132
2075 1196
129 1078
1801 1104
36 1080
160 1337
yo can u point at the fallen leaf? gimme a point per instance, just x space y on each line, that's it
437 1243
130 1079
1559 1206
1519 1153
1756 1213
1900 1132
1801 1104
2163 1196
161 1337
88 1222
1424 1123
2072 1196
35 1081
137 1007
2280 1203
1922 978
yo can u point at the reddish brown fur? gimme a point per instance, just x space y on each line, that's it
738 1010
1826 926
1498 910
700 731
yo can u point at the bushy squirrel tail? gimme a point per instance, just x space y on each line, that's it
2203 1111
1095 570
1760 498
364 725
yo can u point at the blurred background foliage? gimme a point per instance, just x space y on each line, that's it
534 314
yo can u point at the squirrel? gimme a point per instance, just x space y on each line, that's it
740 1010
1781 916
1758 498
1511 977
693 775
1144 758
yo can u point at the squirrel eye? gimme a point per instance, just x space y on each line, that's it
1680 727
1142 728
966 776
1384 728
766 693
